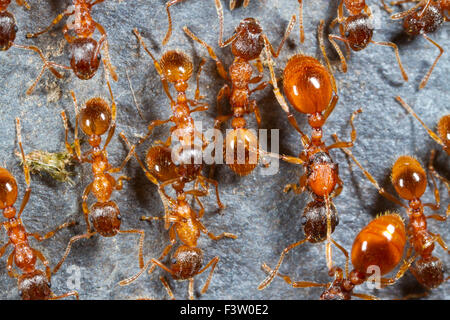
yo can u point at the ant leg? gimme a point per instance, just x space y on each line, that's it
119 182
219 11
124 162
300 21
76 140
342 144
54 22
322 48
169 17
289 28
141 244
438 239
44 261
213 264
191 289
274 272
26 170
340 185
3 248
330 107
84 205
381 191
219 65
232 4
338 50
365 296
434 206
386 7
254 108
167 287
50 234
151 126
213 236
112 128
23 3
69 246
434 173
216 186
328 249
345 254
397 55
424 81
65 295
197 89
9 266
296 284
405 266
107 59
96 2
224 92
403 14
66 136
246 3
298 189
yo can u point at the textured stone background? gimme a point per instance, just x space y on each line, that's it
266 219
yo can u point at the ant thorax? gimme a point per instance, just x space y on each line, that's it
80 21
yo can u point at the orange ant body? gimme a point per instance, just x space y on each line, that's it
425 17
379 244
357 30
309 87
187 260
176 67
247 44
410 181
33 284
84 49
96 119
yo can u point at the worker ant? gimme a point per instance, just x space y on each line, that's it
311 89
8 30
187 261
425 17
356 31
96 118
410 181
247 44
33 284
379 244
84 49
176 67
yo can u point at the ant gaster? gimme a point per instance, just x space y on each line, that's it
33 284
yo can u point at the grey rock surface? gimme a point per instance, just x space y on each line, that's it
265 219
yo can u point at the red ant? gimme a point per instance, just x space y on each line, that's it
33 284
410 181
96 118
84 49
311 89
247 44
176 67
187 261
357 30
425 17
8 30
381 244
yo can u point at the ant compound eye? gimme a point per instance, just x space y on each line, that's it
173 261
21 293
347 34
303 220
99 57
16 28
119 217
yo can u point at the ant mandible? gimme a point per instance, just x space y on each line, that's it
379 244
33 284
309 87
356 31
8 30
187 261
410 181
84 49
96 119
247 44
425 17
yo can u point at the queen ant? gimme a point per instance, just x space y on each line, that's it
33 284
356 31
311 90
96 118
379 244
425 17
8 30
84 49
410 182
187 260
247 44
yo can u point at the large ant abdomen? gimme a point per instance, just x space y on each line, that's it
241 151
428 271
160 164
8 29
430 21
34 286
106 218
314 220
186 262
8 189
85 57
358 31
322 174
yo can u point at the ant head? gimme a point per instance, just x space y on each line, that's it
159 163
176 66
322 174
189 161
358 31
186 262
409 178
307 84
431 19
8 191
354 6
314 220
379 244
85 57
444 132
428 271
105 217
249 41
8 29
34 286
95 117
241 150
